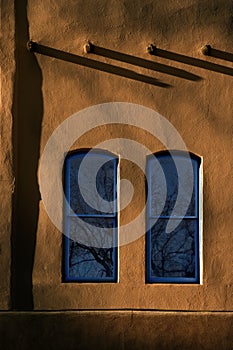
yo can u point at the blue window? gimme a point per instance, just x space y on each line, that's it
173 218
90 240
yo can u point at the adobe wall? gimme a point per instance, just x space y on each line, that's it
39 92
7 181
122 330
200 109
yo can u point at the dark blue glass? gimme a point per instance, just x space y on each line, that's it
172 257
104 181
90 241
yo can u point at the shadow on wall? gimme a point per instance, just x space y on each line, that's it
172 56
159 67
109 68
223 55
140 62
27 111
114 330
87 62
196 62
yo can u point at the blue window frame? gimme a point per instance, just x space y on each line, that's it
173 254
90 217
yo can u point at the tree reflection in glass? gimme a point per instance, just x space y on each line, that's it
90 245
172 256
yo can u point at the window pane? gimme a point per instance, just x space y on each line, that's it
173 185
164 186
173 254
104 181
90 242
92 252
95 232
90 263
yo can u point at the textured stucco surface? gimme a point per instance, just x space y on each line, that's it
200 110
38 93
48 90
7 70
116 330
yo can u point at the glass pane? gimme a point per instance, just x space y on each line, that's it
98 192
173 254
95 232
92 249
164 186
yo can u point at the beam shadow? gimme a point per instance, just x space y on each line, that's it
100 66
221 54
141 62
195 61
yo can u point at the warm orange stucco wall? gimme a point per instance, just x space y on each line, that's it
38 93
116 330
7 76
200 110
49 90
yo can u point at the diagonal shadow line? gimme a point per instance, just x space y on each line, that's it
227 56
141 62
193 61
83 61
